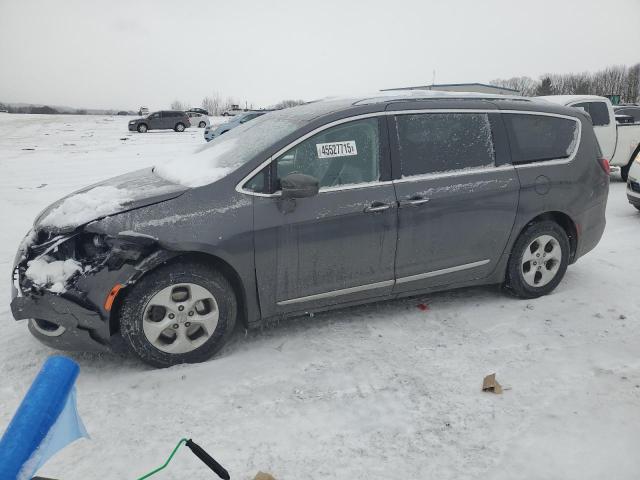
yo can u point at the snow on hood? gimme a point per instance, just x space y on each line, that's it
84 207
116 195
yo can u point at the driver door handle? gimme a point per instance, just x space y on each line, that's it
377 207
414 202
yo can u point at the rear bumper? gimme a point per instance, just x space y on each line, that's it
591 224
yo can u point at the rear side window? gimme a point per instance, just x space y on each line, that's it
442 142
598 111
535 138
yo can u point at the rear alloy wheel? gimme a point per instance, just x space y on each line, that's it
142 128
178 314
202 125
179 127
538 261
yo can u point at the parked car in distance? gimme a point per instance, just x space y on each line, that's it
234 110
624 119
143 111
198 110
633 183
316 207
199 120
165 119
123 113
619 142
212 132
632 111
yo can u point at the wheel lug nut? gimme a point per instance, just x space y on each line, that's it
175 326
191 313
171 316
181 308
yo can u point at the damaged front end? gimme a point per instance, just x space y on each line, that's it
66 285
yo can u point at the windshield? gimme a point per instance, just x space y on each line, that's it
230 151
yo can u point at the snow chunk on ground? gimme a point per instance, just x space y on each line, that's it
52 274
199 169
87 206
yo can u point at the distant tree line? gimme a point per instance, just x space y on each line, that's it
47 110
615 80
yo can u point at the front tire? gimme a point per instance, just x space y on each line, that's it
179 127
202 125
180 313
538 261
142 128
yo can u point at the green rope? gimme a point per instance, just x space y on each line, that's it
180 443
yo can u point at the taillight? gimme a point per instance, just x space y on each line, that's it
604 163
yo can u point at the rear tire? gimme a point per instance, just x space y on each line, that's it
538 261
161 333
142 128
179 127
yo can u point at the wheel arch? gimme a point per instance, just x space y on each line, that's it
215 262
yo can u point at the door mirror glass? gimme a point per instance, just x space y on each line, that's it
299 185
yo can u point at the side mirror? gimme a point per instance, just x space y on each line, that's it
299 185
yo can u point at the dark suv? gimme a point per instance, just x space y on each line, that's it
163 120
316 207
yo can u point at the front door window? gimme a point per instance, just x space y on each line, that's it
345 154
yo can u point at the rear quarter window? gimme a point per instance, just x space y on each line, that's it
535 138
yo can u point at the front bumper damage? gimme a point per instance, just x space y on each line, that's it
77 319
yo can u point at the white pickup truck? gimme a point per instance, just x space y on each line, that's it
619 142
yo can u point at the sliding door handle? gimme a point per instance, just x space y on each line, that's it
377 207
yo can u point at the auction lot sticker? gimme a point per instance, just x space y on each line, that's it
337 149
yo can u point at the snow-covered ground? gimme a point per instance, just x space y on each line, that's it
382 391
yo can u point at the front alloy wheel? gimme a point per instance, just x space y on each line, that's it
180 318
179 313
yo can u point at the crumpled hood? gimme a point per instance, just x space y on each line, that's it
115 195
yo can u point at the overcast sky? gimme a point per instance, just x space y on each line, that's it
124 54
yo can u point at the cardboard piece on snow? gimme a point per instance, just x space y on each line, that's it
263 476
490 384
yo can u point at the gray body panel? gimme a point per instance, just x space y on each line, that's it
326 244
